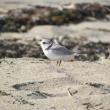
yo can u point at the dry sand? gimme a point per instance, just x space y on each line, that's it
92 31
36 84
13 4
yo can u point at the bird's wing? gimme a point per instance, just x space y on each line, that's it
61 50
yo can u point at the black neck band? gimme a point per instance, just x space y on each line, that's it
49 46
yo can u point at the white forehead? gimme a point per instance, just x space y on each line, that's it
45 40
48 41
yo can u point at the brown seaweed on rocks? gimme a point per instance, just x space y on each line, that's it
90 51
16 49
21 20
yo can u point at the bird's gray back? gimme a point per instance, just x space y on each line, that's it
61 50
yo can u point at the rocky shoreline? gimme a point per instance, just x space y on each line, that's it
89 51
23 19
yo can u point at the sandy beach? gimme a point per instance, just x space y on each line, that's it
29 83
33 82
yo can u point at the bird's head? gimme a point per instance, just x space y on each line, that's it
45 43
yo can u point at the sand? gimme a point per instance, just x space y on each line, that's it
36 84
13 4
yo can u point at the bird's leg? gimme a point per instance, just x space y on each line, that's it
59 62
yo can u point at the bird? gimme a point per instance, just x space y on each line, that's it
54 51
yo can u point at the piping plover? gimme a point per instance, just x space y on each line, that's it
54 51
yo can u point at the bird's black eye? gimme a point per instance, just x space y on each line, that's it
44 42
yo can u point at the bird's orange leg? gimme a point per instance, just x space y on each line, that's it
59 62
